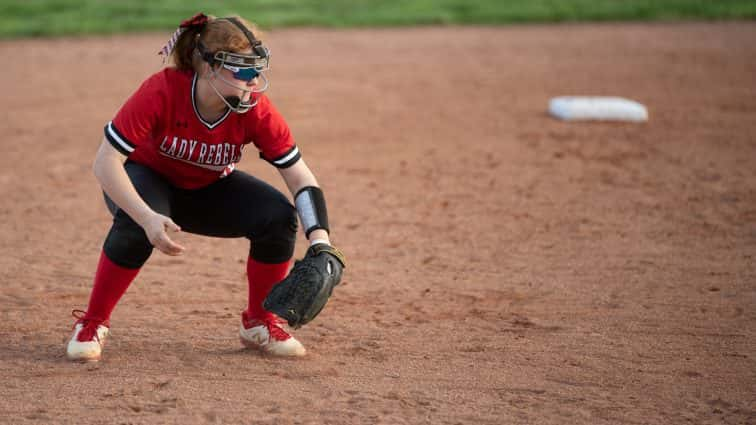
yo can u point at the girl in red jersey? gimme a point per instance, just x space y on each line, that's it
166 164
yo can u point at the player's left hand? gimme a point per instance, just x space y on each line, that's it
302 295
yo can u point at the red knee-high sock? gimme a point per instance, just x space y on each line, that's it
262 277
110 283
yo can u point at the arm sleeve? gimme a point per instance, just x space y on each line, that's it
135 122
271 135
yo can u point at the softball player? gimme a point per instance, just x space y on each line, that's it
166 164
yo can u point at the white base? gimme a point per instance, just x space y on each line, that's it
572 108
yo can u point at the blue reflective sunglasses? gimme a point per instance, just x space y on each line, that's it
243 74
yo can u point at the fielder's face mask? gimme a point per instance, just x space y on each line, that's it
245 67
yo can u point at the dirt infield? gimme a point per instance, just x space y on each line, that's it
504 267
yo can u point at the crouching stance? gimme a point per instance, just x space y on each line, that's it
166 164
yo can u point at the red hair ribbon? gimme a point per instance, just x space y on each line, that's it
197 21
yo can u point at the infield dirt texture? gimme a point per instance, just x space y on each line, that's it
504 267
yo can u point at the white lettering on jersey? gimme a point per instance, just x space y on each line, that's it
218 157
203 151
172 150
210 155
226 148
233 154
162 145
192 145
182 149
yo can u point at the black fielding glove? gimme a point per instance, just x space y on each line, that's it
305 291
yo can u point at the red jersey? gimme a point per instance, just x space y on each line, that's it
159 126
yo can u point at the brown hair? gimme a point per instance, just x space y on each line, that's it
218 34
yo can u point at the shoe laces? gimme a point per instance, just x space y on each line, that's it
89 330
271 323
275 330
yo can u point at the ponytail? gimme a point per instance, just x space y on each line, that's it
183 42
182 52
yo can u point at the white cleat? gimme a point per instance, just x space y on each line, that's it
267 336
87 340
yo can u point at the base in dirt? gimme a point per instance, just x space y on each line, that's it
574 108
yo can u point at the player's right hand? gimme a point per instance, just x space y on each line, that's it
157 227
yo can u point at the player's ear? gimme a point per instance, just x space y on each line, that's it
204 69
199 65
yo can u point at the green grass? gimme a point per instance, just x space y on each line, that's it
29 18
